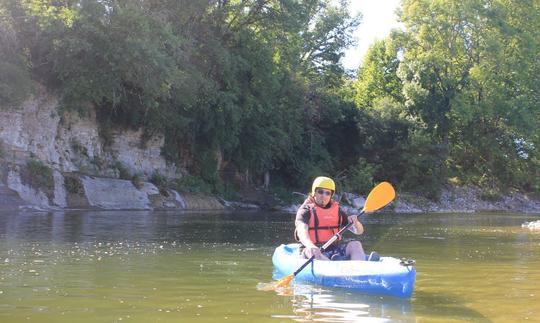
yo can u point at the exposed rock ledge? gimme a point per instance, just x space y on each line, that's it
466 199
453 200
96 193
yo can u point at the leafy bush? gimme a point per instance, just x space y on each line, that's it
229 191
123 172
137 181
2 153
160 181
358 178
98 162
491 195
73 185
38 175
192 184
424 167
284 194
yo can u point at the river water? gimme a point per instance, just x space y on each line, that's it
127 266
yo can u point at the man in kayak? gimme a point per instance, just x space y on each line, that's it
319 218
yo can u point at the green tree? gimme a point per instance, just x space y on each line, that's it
118 58
15 77
499 115
466 77
377 76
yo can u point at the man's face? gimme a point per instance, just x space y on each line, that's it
322 196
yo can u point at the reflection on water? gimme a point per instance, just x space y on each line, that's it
533 225
311 303
142 226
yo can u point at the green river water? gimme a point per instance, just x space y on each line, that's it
127 266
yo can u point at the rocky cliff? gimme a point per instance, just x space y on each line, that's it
50 160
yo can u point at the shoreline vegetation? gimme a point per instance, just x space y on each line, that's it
94 193
216 98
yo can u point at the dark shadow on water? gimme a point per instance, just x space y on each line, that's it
444 307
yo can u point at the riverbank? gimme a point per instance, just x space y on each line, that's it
453 200
76 191
467 199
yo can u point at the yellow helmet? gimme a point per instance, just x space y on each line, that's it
323 182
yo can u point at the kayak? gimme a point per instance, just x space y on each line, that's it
388 276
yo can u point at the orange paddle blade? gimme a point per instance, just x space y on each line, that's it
379 197
285 281
280 284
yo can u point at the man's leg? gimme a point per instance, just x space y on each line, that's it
354 251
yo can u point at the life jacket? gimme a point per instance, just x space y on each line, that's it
323 222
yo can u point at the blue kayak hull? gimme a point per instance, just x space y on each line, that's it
384 277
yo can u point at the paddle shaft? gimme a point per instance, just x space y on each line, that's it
326 245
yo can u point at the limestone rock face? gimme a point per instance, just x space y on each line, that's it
72 190
33 196
9 199
201 202
60 197
114 194
71 147
144 157
31 130
78 142
71 143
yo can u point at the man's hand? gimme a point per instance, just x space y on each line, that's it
353 218
309 252
311 249
357 226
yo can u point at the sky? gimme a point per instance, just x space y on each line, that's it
378 19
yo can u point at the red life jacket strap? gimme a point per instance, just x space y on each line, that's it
325 228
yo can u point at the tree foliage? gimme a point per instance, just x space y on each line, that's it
467 75
235 86
15 79
250 87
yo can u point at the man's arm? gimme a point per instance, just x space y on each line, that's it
302 232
